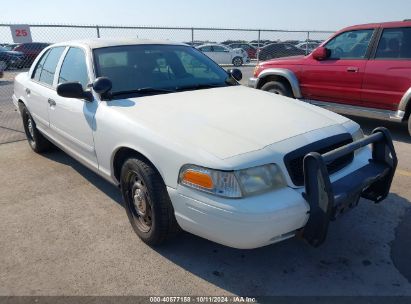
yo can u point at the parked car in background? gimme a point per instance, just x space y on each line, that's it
9 46
167 125
10 59
250 49
261 43
308 46
30 51
362 70
293 42
223 54
277 50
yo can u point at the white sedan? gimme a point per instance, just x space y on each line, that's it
192 149
223 54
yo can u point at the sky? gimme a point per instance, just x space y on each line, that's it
327 15
275 14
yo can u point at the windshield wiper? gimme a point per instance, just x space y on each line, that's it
201 86
142 91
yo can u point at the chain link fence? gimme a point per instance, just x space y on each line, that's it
255 45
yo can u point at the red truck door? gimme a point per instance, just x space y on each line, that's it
388 72
339 77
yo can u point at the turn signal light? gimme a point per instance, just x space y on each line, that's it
199 179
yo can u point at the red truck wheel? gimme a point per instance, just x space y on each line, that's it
278 88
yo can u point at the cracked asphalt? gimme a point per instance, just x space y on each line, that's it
64 231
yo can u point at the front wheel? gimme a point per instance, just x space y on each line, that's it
237 61
278 88
36 140
147 203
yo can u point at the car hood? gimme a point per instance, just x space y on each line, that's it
285 60
225 121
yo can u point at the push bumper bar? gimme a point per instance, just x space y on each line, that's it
327 200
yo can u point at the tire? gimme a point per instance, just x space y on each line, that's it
409 125
36 140
237 61
278 88
147 203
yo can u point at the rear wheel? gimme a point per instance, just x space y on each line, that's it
278 88
147 203
409 125
36 140
237 61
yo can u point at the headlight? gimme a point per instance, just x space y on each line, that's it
232 184
354 129
357 135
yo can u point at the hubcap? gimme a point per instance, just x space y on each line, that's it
140 203
30 127
275 91
139 200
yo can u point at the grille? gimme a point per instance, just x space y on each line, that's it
294 160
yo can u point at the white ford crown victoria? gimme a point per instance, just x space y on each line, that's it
192 149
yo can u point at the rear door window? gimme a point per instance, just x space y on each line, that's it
395 43
46 68
219 49
206 48
39 67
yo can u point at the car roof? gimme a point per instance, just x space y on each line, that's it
405 23
211 44
97 43
278 43
30 43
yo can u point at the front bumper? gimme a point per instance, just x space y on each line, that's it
265 219
329 199
245 223
252 82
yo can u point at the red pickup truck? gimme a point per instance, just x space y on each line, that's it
363 70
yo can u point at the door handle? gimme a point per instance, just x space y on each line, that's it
28 91
51 102
353 69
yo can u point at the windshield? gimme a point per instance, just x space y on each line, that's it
157 68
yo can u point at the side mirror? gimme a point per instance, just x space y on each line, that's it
321 53
102 85
236 74
73 90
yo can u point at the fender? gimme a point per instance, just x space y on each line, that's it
404 104
287 74
134 148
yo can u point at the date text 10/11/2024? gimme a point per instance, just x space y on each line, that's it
202 299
